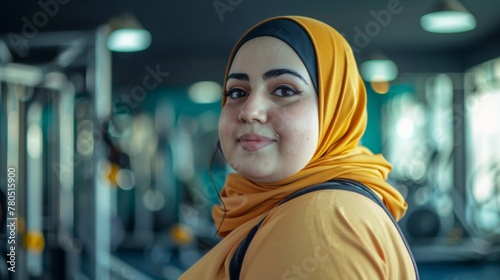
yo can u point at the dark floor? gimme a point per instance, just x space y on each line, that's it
460 271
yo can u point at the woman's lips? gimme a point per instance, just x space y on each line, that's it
253 142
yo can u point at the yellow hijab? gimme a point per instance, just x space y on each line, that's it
342 122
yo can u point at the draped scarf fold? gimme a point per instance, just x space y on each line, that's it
342 121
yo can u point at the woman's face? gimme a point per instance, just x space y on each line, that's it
268 127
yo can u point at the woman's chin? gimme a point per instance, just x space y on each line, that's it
258 176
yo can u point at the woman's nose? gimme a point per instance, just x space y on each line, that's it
255 108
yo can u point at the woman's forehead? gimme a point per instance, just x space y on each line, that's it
266 50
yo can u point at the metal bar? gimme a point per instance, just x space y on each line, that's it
102 190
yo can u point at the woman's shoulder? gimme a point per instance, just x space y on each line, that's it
333 214
331 204
346 230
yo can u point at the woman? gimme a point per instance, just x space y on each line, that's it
294 110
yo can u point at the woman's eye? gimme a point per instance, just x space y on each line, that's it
285 91
235 93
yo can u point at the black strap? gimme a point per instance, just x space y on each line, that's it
336 184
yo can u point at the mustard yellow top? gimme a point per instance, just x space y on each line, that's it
326 234
330 234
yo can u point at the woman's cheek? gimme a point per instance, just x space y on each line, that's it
301 129
285 117
225 130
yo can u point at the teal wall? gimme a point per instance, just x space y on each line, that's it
372 138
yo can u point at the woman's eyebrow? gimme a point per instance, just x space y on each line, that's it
277 72
239 76
267 75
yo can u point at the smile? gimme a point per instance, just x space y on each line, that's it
253 142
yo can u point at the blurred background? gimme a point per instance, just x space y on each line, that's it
108 127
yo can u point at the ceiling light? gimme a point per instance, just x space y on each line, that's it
205 92
449 17
381 87
379 70
127 35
